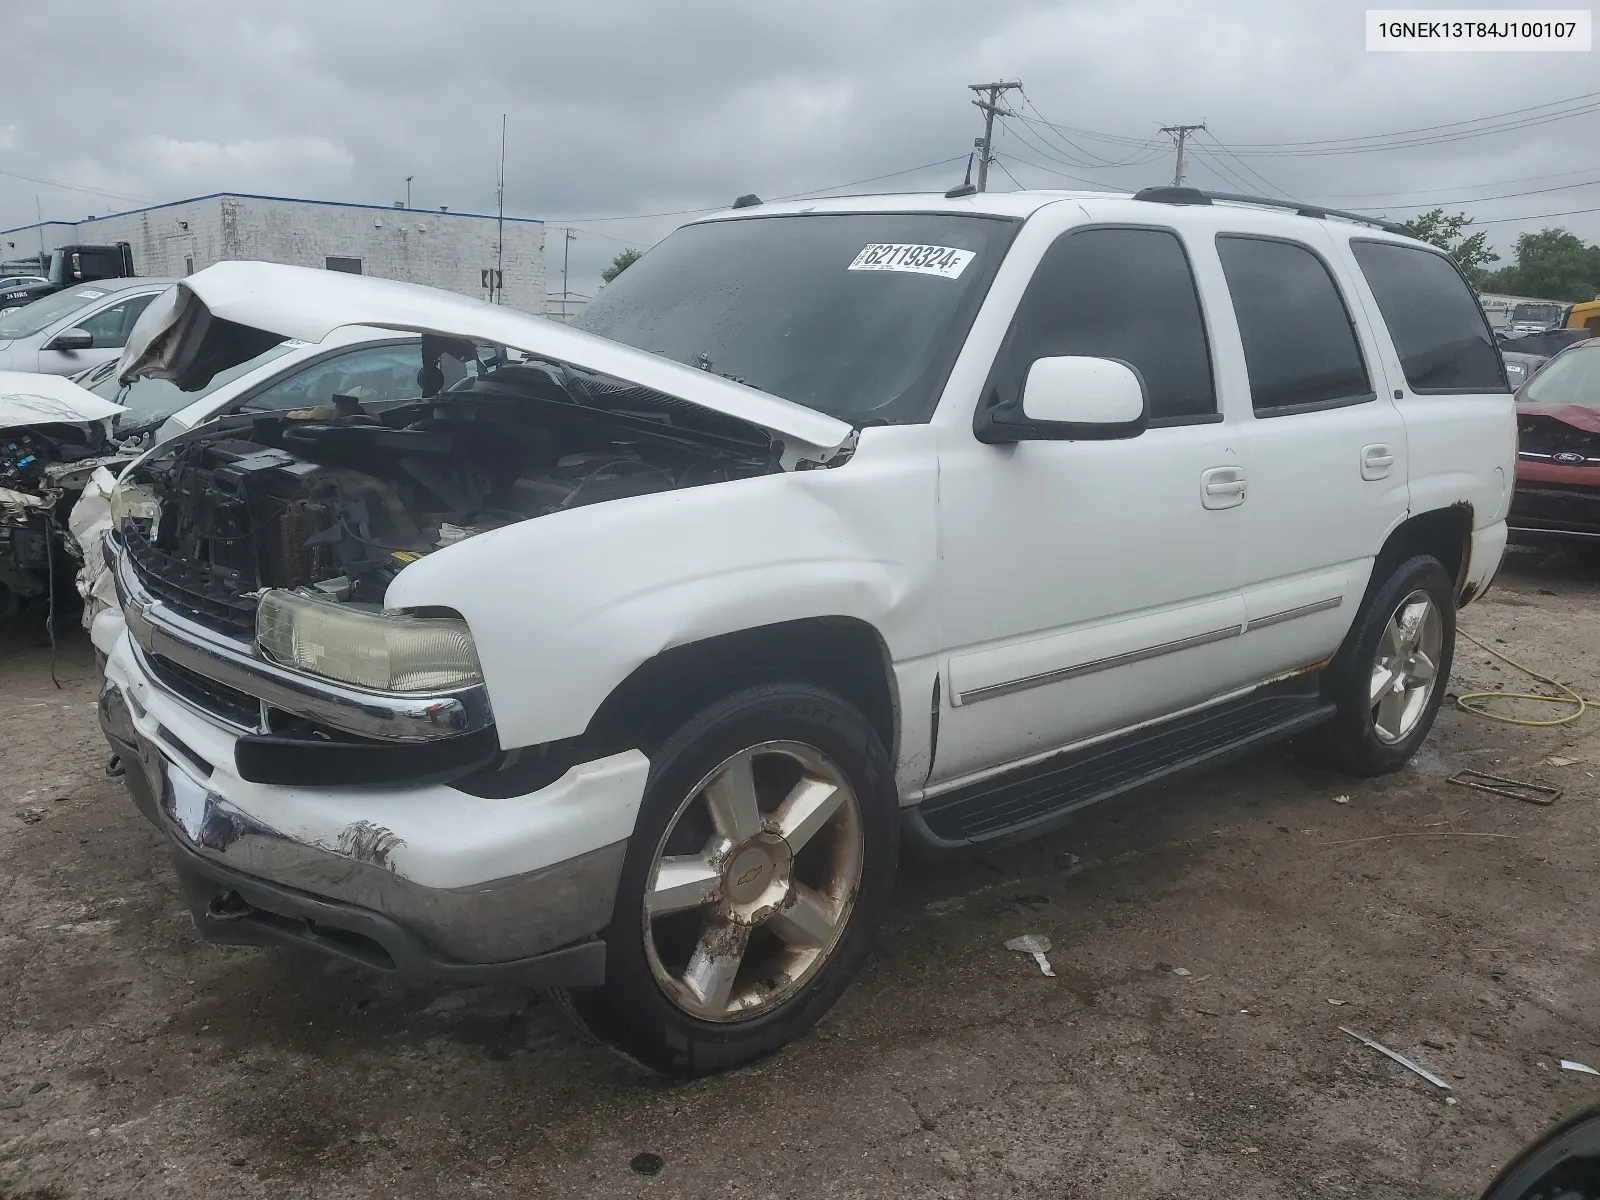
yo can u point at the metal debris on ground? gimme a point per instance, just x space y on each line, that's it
1512 789
1399 1058
1182 971
1563 762
1036 945
1568 1064
1337 1003
1341 799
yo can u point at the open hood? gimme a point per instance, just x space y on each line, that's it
230 312
27 399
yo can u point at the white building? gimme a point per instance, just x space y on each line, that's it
454 251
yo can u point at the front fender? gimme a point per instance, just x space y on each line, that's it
565 607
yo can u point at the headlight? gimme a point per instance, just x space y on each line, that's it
386 652
129 499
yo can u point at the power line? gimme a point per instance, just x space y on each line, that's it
1438 200
1575 212
1487 183
1008 174
1127 162
74 187
1270 186
1099 187
1425 129
1037 149
687 212
1431 135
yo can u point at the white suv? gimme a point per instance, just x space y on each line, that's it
628 668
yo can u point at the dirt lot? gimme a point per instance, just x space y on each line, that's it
1458 928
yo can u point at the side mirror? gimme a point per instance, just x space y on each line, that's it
72 339
1071 398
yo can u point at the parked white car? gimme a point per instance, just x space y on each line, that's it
68 332
627 669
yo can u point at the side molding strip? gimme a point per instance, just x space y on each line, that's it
1290 614
993 690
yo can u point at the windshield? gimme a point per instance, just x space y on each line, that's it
31 318
1542 314
150 401
1572 378
859 315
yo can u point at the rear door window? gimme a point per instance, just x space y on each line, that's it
1439 331
1300 346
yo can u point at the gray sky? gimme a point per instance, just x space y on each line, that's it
619 107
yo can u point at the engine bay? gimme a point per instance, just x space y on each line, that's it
340 500
43 468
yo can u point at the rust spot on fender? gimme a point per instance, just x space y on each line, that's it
369 843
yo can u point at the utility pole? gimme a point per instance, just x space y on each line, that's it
44 259
500 221
1181 133
991 109
409 178
566 247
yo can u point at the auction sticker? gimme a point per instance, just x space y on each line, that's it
946 261
89 294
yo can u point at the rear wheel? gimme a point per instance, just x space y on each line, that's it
761 864
1389 677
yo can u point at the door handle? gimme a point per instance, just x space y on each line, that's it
1376 462
1222 487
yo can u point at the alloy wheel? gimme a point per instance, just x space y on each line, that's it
1406 669
753 881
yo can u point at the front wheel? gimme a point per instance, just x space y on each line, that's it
761 864
1389 676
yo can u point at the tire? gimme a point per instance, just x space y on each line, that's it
801 920
1375 735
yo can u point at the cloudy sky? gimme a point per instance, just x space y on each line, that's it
625 107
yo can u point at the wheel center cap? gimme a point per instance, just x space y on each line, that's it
756 877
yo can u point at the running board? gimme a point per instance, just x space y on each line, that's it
1041 796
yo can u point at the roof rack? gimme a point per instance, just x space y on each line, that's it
1188 195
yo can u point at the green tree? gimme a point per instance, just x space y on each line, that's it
1552 263
1471 251
620 263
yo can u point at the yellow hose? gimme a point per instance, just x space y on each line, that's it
1571 697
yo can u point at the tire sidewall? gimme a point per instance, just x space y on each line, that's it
631 1011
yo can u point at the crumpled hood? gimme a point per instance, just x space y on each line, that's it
28 399
214 319
1579 416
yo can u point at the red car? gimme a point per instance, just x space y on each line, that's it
1558 453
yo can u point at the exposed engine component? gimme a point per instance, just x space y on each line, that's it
42 469
343 501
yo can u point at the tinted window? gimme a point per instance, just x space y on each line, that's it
1299 346
856 314
110 327
371 374
30 319
1116 293
1438 330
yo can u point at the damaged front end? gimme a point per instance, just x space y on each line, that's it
53 437
334 503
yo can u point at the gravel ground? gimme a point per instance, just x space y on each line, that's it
1456 927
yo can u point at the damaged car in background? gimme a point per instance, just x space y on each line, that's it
1557 497
54 436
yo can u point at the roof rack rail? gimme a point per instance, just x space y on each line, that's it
1188 195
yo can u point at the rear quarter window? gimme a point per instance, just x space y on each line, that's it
1439 332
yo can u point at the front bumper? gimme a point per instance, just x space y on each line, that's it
1556 510
424 881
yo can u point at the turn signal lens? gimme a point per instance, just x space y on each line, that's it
382 651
